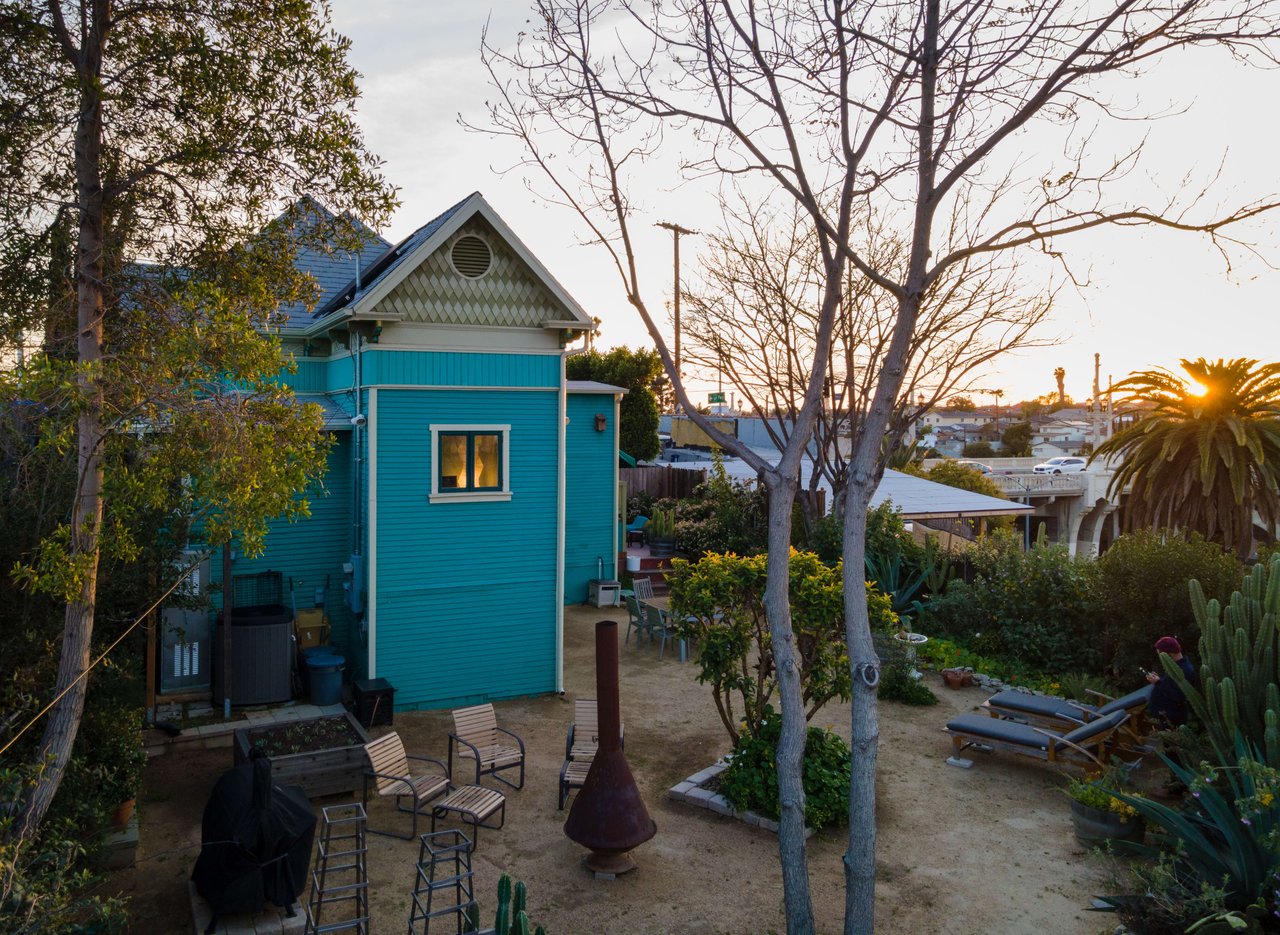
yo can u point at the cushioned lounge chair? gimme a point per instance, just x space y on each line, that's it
1086 746
1058 714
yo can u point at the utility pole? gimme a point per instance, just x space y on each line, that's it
676 231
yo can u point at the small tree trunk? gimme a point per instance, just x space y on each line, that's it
86 514
790 756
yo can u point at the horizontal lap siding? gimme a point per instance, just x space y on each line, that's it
433 368
309 377
465 591
590 482
313 548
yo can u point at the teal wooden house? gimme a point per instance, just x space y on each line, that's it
471 489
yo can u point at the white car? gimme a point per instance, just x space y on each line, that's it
1060 466
975 466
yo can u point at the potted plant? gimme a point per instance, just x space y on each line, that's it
118 770
1098 816
661 532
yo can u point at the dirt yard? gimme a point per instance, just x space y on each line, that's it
985 850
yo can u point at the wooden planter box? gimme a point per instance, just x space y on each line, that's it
319 772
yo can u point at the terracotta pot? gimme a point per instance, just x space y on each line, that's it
120 817
954 678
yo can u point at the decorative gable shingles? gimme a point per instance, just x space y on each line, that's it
509 295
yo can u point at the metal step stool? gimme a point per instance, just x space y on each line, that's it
339 878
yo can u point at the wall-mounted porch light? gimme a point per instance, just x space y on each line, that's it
601 422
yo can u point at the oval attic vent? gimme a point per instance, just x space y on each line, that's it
471 256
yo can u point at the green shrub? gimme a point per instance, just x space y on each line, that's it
45 885
896 680
1032 607
751 779
941 653
723 515
1140 592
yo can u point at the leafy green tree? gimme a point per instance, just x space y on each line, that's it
175 132
964 477
637 371
1140 592
1016 440
981 449
961 404
721 599
1206 457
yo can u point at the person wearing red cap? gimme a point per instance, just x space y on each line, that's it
1168 705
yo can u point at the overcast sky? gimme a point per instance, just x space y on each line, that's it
1151 298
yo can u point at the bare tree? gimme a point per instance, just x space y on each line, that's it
916 113
754 320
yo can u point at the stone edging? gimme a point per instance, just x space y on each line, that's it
690 792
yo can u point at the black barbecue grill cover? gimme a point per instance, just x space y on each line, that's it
255 841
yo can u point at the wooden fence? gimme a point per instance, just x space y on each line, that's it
660 481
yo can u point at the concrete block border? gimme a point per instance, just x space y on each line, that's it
690 791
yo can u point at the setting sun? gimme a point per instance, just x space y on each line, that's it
1196 389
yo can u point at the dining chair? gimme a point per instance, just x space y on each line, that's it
635 619
643 588
660 626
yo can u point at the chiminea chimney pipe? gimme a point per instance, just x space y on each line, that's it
608 816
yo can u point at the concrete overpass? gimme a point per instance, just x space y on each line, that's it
1074 508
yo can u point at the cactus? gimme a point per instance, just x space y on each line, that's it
502 922
1239 687
512 917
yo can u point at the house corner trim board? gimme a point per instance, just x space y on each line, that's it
371 575
562 435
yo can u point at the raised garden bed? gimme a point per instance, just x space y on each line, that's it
323 755
702 790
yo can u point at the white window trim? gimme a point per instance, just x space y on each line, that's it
470 496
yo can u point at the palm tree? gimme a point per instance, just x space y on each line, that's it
1207 455
1060 375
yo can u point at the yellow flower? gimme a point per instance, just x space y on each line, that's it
1266 798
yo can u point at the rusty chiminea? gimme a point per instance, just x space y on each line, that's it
608 816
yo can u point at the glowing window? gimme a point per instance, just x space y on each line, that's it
470 462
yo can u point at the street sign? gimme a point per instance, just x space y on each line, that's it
715 398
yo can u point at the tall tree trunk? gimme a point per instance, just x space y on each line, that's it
86 513
864 723
790 754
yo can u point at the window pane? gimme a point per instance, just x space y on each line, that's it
487 456
453 462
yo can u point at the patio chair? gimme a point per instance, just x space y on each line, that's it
476 736
580 747
660 627
1086 746
1058 714
635 530
635 619
392 774
642 588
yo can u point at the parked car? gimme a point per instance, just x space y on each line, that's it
1060 466
976 466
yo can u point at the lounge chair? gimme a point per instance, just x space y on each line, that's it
392 774
635 530
1086 745
476 736
580 747
1058 714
